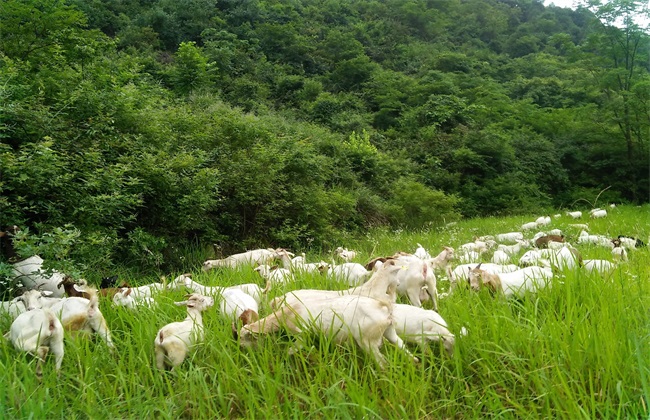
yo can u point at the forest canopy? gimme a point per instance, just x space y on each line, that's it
130 128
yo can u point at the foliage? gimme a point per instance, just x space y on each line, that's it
145 125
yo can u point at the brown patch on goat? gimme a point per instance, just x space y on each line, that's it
249 316
542 242
76 323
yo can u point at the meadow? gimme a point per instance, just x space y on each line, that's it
579 349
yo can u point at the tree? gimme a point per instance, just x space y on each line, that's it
621 45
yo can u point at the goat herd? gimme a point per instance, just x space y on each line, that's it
365 313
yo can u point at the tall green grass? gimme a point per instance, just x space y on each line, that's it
580 349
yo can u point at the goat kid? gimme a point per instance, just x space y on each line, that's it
38 332
174 341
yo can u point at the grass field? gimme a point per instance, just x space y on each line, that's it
580 349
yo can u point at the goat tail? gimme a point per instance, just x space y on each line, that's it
93 304
52 321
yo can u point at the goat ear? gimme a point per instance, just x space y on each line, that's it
478 266
46 293
128 292
183 303
77 288
235 332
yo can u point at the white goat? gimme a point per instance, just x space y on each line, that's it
529 226
30 273
461 272
146 291
586 238
417 276
184 280
516 283
468 256
345 254
565 258
275 275
38 332
598 214
250 258
235 304
543 221
13 307
513 249
476 246
619 253
602 267
509 237
354 273
422 253
343 318
500 257
419 326
382 286
125 297
574 214
582 226
174 341
75 313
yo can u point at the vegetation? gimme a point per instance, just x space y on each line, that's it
137 128
577 350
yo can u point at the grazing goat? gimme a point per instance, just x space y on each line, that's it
75 313
598 214
516 283
500 257
345 254
602 267
382 286
175 340
543 221
422 253
73 288
31 274
419 326
574 214
275 275
250 258
417 276
125 297
543 241
38 332
619 254
184 280
509 237
630 242
582 226
476 246
529 226
13 307
586 238
513 249
343 318
235 304
468 256
461 272
354 273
